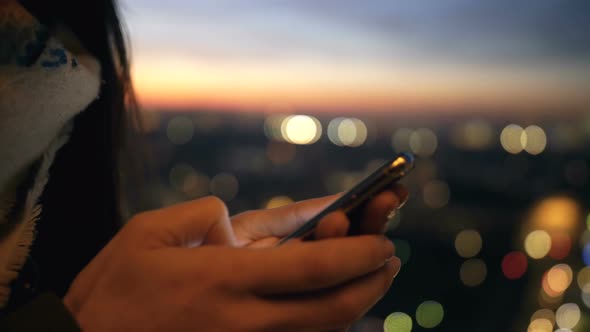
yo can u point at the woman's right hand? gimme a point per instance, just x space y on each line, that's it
175 269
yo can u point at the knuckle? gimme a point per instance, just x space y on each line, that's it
216 205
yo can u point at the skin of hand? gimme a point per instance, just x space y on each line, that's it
189 267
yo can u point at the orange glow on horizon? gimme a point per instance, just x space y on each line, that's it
189 84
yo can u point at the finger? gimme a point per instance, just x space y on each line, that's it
188 224
334 224
280 221
312 265
338 307
376 212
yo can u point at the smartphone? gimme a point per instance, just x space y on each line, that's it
354 201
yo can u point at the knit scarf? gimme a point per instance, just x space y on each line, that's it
43 85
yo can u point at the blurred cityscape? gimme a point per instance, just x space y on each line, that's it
495 234
265 102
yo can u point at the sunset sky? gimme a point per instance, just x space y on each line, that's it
348 55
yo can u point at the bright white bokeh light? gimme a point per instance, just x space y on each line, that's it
301 129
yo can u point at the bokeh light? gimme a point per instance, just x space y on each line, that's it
472 136
586 254
544 314
510 138
272 127
556 214
568 316
185 179
561 245
224 186
557 279
423 142
473 272
429 314
436 194
278 201
468 243
180 130
301 129
514 265
196 185
584 239
350 132
534 140
540 325
583 278
585 295
398 322
537 244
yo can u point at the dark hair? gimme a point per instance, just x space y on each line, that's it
82 200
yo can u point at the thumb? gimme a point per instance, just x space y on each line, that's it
190 224
280 221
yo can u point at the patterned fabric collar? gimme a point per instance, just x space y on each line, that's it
43 86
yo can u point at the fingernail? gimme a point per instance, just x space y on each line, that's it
392 213
397 272
403 202
399 264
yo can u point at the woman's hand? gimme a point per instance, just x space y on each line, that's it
166 271
264 228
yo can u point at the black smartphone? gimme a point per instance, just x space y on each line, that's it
354 201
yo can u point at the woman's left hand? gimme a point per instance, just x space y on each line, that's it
265 228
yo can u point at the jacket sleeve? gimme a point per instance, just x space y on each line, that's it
46 313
